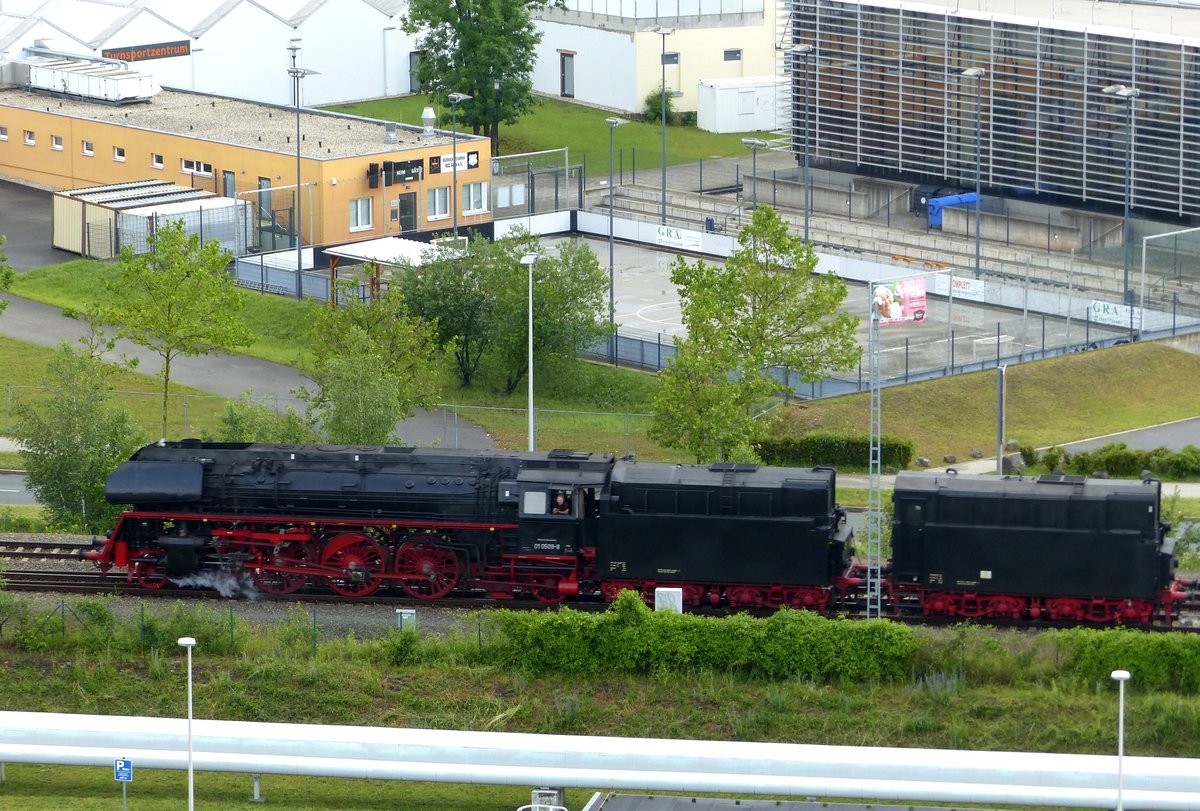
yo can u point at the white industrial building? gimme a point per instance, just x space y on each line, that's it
607 52
601 52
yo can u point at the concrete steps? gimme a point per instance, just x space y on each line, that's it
903 242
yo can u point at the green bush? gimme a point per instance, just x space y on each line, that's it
652 111
1029 455
838 450
10 521
629 638
1120 461
399 647
1157 662
1052 458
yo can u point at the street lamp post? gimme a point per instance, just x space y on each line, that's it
664 31
805 51
1120 677
496 129
455 100
612 123
754 144
297 73
977 74
1128 94
189 643
529 260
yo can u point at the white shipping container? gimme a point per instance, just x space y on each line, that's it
746 104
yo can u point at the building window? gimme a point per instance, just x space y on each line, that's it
89 148
670 58
360 214
156 160
30 138
439 203
474 198
119 153
56 142
193 167
3 133
733 54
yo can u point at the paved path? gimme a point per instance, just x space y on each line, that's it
225 375
988 467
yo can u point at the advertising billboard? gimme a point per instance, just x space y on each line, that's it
900 302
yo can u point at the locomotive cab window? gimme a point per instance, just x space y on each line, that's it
534 502
914 514
562 503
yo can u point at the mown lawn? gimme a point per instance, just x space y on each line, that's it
971 688
554 124
1050 402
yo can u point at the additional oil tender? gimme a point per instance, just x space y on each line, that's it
573 525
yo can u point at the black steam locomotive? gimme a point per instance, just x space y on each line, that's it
544 525
568 525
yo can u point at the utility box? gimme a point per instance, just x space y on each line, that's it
747 104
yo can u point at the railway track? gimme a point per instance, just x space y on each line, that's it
66 573
48 548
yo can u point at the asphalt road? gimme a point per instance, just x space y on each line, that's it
1171 435
25 218
12 490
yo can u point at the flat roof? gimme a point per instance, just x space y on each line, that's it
1170 21
255 125
385 251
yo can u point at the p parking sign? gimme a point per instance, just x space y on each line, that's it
123 770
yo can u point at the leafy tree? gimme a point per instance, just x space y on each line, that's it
72 438
246 420
372 364
480 303
457 294
466 45
570 306
765 307
6 273
176 300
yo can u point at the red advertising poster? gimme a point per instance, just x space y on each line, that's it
900 302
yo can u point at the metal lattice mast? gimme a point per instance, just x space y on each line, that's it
874 477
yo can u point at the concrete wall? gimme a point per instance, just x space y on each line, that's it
701 51
605 65
1040 235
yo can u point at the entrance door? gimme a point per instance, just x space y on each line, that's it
269 236
566 74
414 63
406 205
228 180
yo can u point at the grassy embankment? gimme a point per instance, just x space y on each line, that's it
969 688
554 123
1049 402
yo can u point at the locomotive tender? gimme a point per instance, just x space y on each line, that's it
1063 547
566 525
434 521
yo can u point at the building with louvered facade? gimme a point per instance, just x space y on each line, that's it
1079 107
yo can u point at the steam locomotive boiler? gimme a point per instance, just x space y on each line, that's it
431 522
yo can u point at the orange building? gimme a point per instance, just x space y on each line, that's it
359 178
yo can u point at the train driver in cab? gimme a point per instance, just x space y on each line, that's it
562 503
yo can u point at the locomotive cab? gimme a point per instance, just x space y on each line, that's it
557 512
558 496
